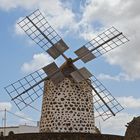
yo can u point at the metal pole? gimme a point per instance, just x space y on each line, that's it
5 122
2 124
100 126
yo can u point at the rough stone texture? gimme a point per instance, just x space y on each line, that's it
67 107
133 129
62 136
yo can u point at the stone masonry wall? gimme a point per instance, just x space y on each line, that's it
67 107
133 129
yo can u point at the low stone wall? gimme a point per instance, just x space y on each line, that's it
61 136
133 129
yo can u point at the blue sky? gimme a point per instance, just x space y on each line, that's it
77 22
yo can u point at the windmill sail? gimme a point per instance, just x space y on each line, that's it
39 30
17 90
104 103
100 45
26 90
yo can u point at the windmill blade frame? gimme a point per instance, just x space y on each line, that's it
17 93
26 90
40 31
105 98
105 104
103 43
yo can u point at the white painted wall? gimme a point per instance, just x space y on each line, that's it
20 129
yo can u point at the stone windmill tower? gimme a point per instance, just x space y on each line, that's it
70 94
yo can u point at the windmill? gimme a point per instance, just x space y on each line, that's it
70 94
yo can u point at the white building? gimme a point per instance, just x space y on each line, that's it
19 129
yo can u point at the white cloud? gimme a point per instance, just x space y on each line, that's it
58 14
5 105
129 102
118 122
18 29
94 16
119 77
115 125
10 4
39 60
125 16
